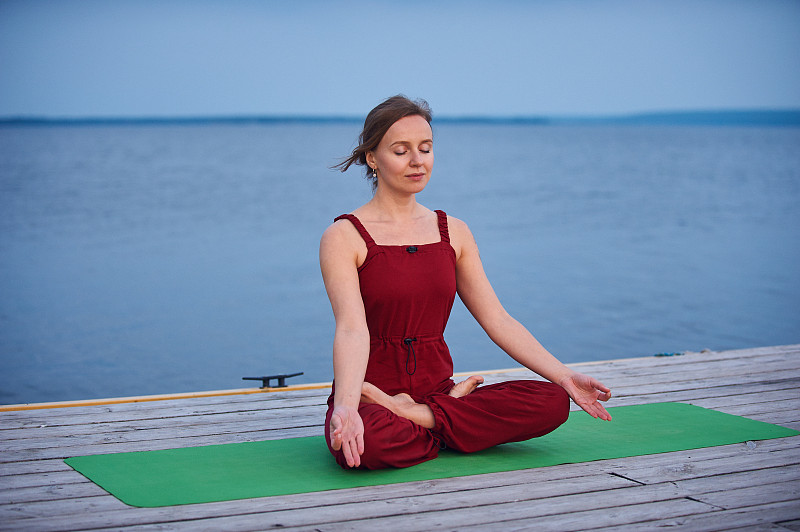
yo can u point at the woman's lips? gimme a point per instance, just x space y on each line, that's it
415 177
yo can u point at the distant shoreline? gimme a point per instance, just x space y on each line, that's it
790 118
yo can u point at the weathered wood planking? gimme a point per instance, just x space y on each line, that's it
747 486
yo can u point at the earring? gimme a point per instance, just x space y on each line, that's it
374 173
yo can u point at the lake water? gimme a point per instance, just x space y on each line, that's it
144 259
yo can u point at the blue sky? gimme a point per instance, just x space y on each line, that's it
104 58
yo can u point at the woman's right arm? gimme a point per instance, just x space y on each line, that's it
338 257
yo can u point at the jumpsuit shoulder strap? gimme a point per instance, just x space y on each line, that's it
443 231
359 226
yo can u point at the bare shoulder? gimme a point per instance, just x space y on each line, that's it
457 226
337 230
460 236
341 240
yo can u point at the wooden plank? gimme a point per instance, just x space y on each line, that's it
646 362
755 399
782 369
75 415
167 409
689 361
17 482
11 496
65 509
622 398
67 451
639 515
32 468
757 515
675 372
766 479
575 512
125 432
784 419
207 397
788 409
747 496
666 470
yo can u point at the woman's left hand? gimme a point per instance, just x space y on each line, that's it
587 391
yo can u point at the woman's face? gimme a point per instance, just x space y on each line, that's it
404 157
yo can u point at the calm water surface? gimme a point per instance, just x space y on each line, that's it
169 258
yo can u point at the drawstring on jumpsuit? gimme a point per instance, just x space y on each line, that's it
410 345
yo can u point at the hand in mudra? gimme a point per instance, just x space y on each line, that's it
587 392
347 434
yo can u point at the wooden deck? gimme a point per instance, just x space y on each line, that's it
752 486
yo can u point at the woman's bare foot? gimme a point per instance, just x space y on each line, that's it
466 387
401 404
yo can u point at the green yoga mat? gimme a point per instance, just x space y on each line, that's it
300 465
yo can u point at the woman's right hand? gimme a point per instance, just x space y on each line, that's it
347 434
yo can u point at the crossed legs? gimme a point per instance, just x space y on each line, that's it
404 406
399 432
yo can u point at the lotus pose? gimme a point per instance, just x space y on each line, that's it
392 269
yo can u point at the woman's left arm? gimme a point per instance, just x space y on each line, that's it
511 336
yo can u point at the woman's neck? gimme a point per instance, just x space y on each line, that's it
387 207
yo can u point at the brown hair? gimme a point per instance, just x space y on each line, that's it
377 123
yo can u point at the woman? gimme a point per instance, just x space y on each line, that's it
391 270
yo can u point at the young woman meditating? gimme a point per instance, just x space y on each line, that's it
392 269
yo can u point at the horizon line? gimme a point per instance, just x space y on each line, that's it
741 116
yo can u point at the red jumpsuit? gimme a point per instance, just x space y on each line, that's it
408 292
